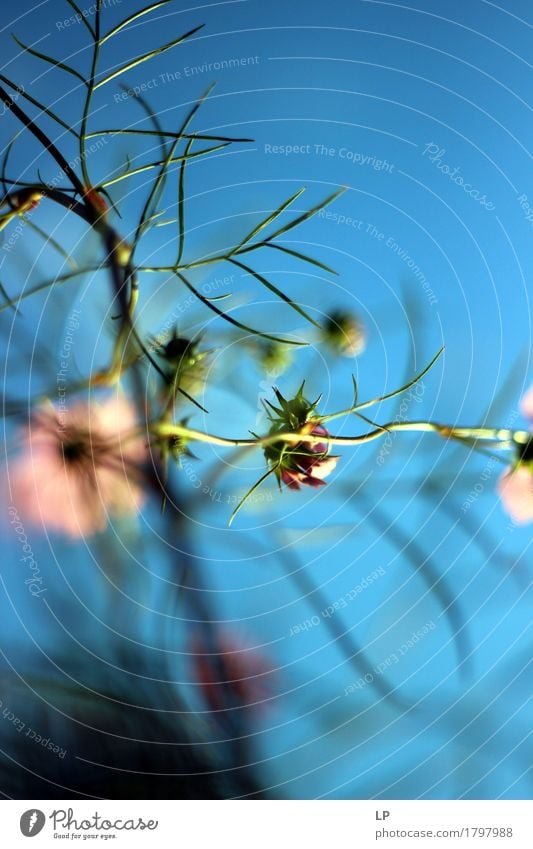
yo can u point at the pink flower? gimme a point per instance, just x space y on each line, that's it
78 466
526 405
308 464
515 486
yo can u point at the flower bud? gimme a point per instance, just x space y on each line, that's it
303 463
344 334
274 357
186 369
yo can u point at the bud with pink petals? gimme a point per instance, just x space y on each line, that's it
303 463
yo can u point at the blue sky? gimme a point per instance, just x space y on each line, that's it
424 115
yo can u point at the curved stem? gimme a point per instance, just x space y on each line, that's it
88 99
503 435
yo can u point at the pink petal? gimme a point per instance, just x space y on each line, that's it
516 492
309 480
120 494
291 479
47 493
322 468
526 404
75 499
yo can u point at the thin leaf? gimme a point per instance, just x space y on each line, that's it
133 64
145 214
365 404
234 321
39 105
170 135
191 399
181 181
133 18
406 386
158 130
50 60
272 217
306 215
5 161
250 492
157 188
219 297
372 423
83 17
150 221
166 222
136 171
355 392
40 287
181 205
275 290
301 256
9 303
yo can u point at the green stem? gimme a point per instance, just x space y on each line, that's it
88 99
42 138
166 429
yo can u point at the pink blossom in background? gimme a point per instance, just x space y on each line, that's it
515 486
526 405
77 466
516 492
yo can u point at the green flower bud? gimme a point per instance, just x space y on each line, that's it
344 334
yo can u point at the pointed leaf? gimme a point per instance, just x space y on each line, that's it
275 290
232 320
181 205
250 492
143 168
272 217
133 18
83 17
402 388
135 62
8 302
306 215
167 134
39 105
50 60
301 256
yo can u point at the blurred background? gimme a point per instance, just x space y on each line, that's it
368 639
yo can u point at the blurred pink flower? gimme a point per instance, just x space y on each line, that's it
526 405
308 464
78 466
515 486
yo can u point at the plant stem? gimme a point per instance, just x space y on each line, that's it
90 91
498 435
